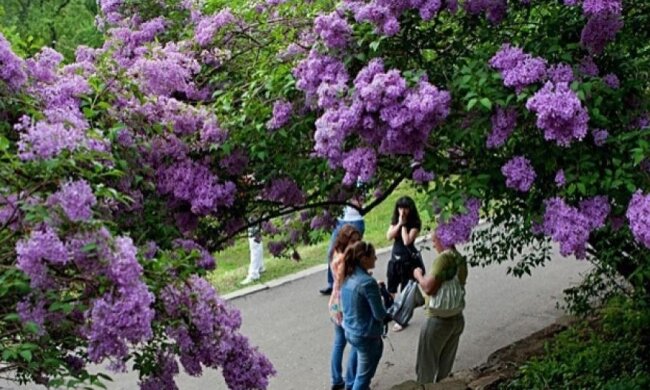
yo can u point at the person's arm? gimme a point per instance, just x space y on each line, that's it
409 236
393 231
429 283
336 265
371 290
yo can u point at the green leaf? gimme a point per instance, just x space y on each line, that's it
485 102
4 143
472 102
27 355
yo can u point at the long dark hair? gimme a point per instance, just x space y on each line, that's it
413 218
353 255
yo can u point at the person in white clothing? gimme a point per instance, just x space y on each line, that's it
255 247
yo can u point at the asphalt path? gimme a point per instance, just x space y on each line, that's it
288 321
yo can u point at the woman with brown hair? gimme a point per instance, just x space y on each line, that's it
346 236
363 311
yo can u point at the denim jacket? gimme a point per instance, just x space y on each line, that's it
363 311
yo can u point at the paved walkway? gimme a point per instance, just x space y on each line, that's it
288 320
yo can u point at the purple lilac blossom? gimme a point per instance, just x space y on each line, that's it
638 214
281 115
599 31
32 254
559 73
206 260
235 163
35 313
560 180
317 69
566 226
284 191
504 122
12 67
600 136
359 164
324 221
596 210
76 198
517 68
43 66
277 247
612 81
459 227
559 113
210 25
598 7
495 10
333 30
116 319
588 67
10 214
163 378
422 176
519 174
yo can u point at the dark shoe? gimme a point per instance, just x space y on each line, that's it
338 387
326 291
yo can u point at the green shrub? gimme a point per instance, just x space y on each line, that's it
608 353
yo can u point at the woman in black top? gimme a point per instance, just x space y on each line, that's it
404 229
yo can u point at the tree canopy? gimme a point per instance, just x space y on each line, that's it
123 169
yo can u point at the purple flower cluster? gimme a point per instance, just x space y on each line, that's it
43 66
359 164
166 369
206 260
319 72
235 163
213 339
495 10
638 214
76 198
600 30
323 221
333 29
422 176
210 25
612 81
560 73
600 136
33 312
384 112
34 253
517 68
281 115
117 319
504 122
559 113
519 174
603 23
384 14
10 214
194 183
277 247
588 67
12 67
459 227
284 191
570 226
560 180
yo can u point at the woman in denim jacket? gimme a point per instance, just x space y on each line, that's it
363 311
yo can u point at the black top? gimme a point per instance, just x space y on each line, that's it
399 249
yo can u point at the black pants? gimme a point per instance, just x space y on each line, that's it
400 270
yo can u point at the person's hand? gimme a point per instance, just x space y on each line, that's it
417 273
402 216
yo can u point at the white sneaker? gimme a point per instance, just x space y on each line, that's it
248 280
262 270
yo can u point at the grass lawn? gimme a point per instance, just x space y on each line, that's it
232 263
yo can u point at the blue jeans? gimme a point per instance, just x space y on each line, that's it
360 225
369 351
337 360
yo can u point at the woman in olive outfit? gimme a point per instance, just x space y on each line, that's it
404 229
